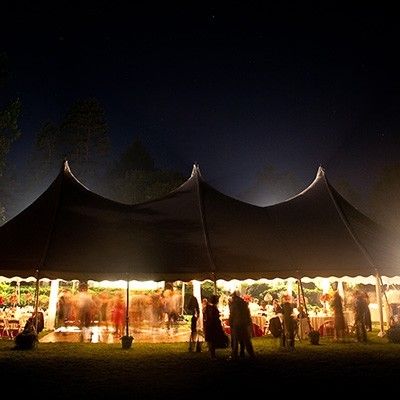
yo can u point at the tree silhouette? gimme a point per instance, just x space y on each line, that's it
84 136
134 179
9 130
385 197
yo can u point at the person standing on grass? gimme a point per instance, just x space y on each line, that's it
212 324
118 314
289 323
360 309
368 321
241 327
86 308
194 309
339 321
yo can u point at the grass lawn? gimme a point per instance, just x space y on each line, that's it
168 370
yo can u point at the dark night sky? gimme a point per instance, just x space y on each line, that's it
231 87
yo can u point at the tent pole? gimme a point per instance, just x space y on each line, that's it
305 304
290 287
36 320
214 279
183 298
52 310
196 174
127 309
389 315
298 307
380 305
197 293
18 291
126 339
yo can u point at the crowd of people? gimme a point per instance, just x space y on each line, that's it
83 308
234 329
162 308
240 325
284 325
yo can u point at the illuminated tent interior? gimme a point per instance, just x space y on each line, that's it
193 233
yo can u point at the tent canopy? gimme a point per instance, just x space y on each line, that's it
195 232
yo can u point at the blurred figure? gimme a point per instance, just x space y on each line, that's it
194 309
172 301
28 338
64 306
302 322
289 323
212 325
268 298
368 321
200 320
360 310
241 327
157 309
204 302
38 322
118 314
103 306
85 305
276 307
339 321
275 323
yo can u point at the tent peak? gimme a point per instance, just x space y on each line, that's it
320 175
320 172
66 170
65 166
196 170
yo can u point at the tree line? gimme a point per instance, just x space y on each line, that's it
82 136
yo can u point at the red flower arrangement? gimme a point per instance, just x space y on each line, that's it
246 297
325 297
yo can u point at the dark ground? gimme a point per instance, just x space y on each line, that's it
169 371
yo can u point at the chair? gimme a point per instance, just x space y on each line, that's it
275 327
13 328
9 328
327 328
3 328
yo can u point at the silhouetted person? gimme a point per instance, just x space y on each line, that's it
212 325
368 321
194 309
289 323
339 321
241 326
85 306
360 310
118 314
28 338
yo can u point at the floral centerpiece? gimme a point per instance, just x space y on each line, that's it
325 299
